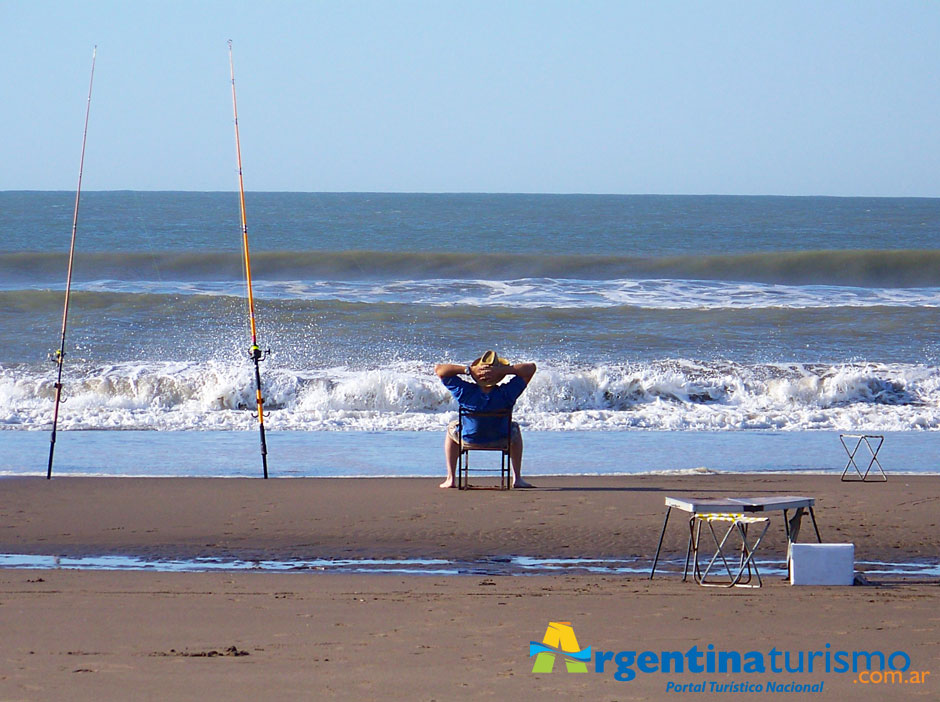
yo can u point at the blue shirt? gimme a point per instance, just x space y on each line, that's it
483 430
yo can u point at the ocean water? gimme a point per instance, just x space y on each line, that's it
656 316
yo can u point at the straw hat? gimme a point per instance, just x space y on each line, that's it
489 358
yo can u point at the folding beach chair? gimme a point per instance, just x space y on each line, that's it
463 456
739 568
867 439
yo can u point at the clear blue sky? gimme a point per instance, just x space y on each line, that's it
786 97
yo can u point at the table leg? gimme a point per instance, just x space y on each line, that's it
815 527
661 536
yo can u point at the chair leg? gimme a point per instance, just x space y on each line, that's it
462 468
719 553
695 531
739 575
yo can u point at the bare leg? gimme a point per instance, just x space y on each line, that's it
515 457
451 449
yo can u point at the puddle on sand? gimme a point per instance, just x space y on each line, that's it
509 565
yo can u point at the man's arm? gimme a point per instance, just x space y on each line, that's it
523 370
448 370
497 373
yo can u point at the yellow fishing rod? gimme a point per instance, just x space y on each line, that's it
255 353
58 356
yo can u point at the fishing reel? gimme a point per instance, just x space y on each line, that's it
56 356
256 354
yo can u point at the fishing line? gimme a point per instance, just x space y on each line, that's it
59 355
255 352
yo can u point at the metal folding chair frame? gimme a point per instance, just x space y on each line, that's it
739 575
862 438
463 455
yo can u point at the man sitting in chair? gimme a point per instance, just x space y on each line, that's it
485 395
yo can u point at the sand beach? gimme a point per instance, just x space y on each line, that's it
86 635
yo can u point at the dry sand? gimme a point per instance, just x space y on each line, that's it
71 635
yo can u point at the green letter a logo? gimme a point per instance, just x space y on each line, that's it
559 636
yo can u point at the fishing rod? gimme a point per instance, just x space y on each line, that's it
59 355
255 353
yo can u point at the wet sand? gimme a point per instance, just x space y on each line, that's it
411 517
138 635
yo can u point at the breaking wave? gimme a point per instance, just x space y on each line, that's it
673 395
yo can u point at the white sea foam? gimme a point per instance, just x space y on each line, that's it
534 293
673 395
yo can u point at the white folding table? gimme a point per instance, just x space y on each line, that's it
739 512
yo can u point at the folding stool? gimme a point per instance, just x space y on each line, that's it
739 573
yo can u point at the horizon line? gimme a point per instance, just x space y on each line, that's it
481 192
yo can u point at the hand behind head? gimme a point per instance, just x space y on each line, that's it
486 373
491 374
